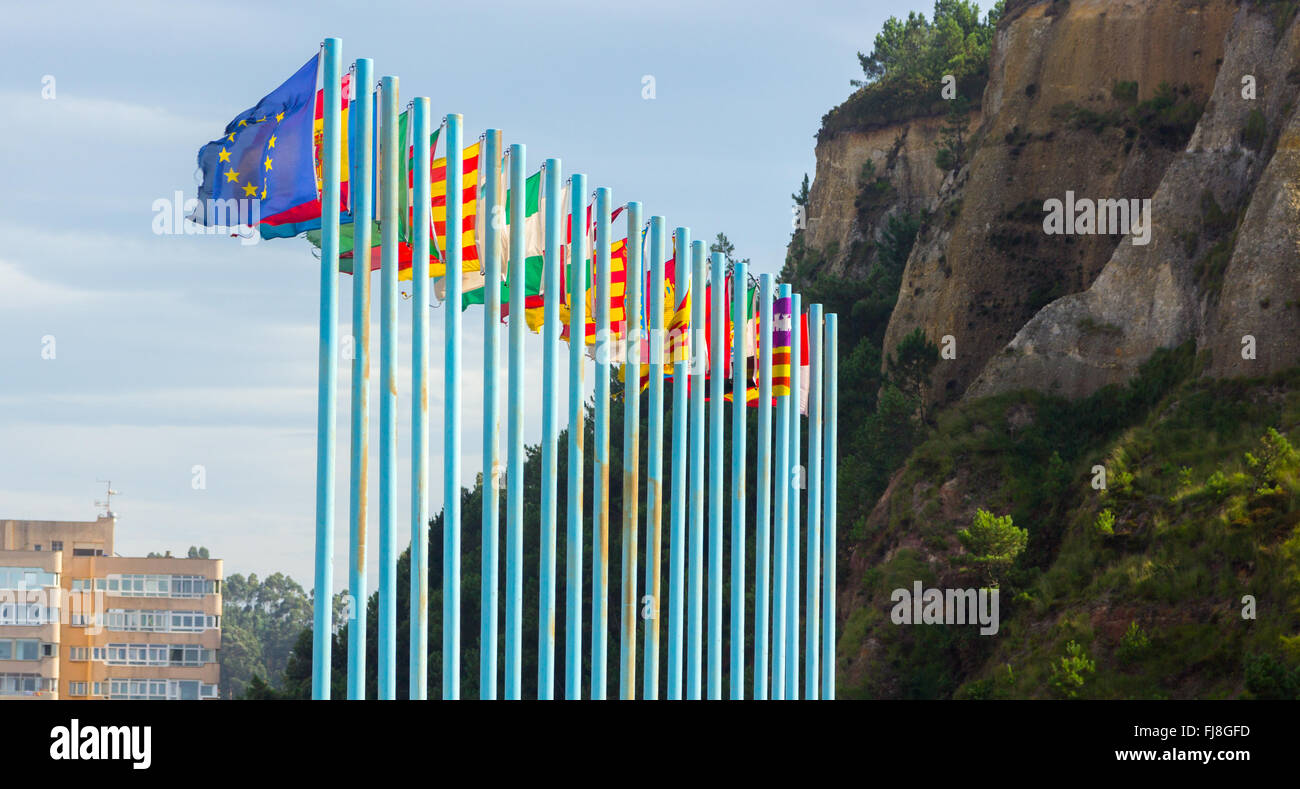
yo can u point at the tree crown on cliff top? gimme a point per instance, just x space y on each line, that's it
904 71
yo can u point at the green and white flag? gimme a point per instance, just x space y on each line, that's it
534 247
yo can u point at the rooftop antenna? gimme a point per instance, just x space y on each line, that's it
107 503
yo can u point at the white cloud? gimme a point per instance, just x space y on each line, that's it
109 121
21 291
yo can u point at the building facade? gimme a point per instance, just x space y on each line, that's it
78 621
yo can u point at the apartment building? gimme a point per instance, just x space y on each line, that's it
79 621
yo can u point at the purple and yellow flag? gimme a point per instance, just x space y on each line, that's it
781 323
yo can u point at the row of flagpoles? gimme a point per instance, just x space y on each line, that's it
777 563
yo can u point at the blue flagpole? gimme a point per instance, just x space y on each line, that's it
829 409
695 618
631 451
762 511
717 499
677 506
420 202
491 511
577 279
388 161
739 394
550 430
812 634
327 400
515 431
796 481
451 419
780 518
600 499
655 456
361 118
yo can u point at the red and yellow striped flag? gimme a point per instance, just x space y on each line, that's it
469 210
617 284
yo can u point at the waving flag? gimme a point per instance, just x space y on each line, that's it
534 255
803 364
271 154
468 190
678 321
346 251
617 286
677 318
781 322
749 336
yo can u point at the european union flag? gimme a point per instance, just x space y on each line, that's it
266 159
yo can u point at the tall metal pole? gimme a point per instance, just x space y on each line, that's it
762 508
327 399
491 417
451 418
389 156
361 118
600 500
654 458
577 281
796 482
421 206
830 410
812 634
739 385
550 430
699 365
781 513
631 451
677 506
515 430
717 499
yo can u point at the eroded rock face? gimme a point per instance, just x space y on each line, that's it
990 269
1260 294
1177 288
903 153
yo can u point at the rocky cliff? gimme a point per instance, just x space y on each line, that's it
1139 99
1194 106
1224 257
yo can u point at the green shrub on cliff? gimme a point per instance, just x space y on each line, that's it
904 71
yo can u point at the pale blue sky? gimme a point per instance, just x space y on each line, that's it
176 351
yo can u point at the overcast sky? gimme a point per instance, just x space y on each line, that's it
171 352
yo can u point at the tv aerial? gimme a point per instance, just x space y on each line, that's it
109 493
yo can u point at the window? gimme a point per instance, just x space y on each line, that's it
24 684
56 545
87 552
140 585
47 650
98 688
159 655
27 614
79 653
27 649
160 621
98 653
26 578
38 546
137 689
6 650
77 688
188 621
